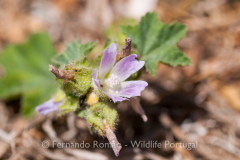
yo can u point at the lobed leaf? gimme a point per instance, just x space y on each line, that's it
74 52
26 72
156 42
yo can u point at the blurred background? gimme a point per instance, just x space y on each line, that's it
199 103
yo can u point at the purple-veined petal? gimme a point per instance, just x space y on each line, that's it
97 83
95 75
115 98
48 106
108 60
129 88
126 67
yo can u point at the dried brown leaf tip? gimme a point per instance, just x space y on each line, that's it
137 107
60 73
116 146
127 47
126 50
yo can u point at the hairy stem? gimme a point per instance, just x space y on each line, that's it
116 146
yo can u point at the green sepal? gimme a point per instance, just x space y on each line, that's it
71 104
60 96
95 121
98 112
81 113
80 85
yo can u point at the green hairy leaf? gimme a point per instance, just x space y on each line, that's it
74 52
156 42
26 72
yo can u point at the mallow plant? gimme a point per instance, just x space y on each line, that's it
98 86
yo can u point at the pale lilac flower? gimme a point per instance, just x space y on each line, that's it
110 78
48 106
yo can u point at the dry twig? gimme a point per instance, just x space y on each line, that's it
60 73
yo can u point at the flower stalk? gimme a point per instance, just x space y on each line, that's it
116 146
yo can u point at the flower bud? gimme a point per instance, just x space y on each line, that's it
98 112
81 83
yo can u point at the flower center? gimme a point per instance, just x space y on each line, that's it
112 80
